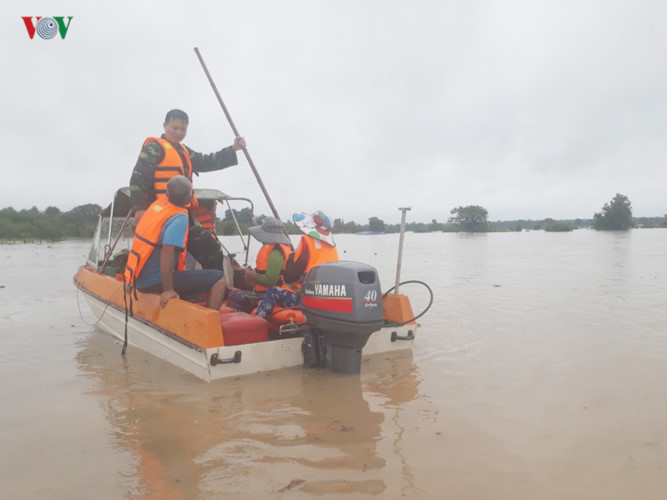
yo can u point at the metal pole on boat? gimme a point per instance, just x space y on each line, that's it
113 206
238 228
400 248
236 133
109 253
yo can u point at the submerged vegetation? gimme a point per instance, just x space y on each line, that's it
52 224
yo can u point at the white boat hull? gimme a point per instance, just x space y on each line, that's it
254 358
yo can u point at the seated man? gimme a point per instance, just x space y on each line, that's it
316 247
156 263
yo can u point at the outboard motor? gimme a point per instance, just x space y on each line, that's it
342 302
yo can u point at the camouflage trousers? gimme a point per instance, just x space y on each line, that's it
276 296
204 248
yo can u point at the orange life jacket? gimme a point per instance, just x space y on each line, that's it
262 261
205 217
170 166
147 236
319 252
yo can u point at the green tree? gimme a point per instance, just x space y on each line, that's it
342 227
435 226
615 215
242 215
291 228
52 211
471 218
81 220
375 224
83 213
551 225
351 227
338 225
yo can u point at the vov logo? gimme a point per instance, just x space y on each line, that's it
47 27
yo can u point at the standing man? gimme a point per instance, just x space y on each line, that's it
156 263
164 157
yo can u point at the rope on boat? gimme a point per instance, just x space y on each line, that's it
106 306
430 303
78 305
122 353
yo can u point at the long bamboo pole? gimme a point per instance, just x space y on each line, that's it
236 133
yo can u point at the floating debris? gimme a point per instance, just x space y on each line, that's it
292 484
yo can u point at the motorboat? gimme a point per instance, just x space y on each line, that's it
344 314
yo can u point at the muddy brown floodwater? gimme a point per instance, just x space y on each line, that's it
539 373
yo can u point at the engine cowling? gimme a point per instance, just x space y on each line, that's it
342 302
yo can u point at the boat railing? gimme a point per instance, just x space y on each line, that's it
115 227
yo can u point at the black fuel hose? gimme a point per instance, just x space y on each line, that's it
430 303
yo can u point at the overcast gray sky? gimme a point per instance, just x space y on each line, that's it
532 109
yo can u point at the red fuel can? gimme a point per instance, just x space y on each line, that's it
243 328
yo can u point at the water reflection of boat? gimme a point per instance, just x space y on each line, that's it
344 312
306 431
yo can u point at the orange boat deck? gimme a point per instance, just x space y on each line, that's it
204 327
193 323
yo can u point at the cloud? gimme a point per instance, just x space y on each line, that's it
530 109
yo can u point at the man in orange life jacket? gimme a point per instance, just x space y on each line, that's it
315 247
164 157
156 263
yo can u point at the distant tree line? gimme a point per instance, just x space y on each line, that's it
615 215
80 222
51 224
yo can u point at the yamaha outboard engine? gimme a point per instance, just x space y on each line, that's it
342 302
